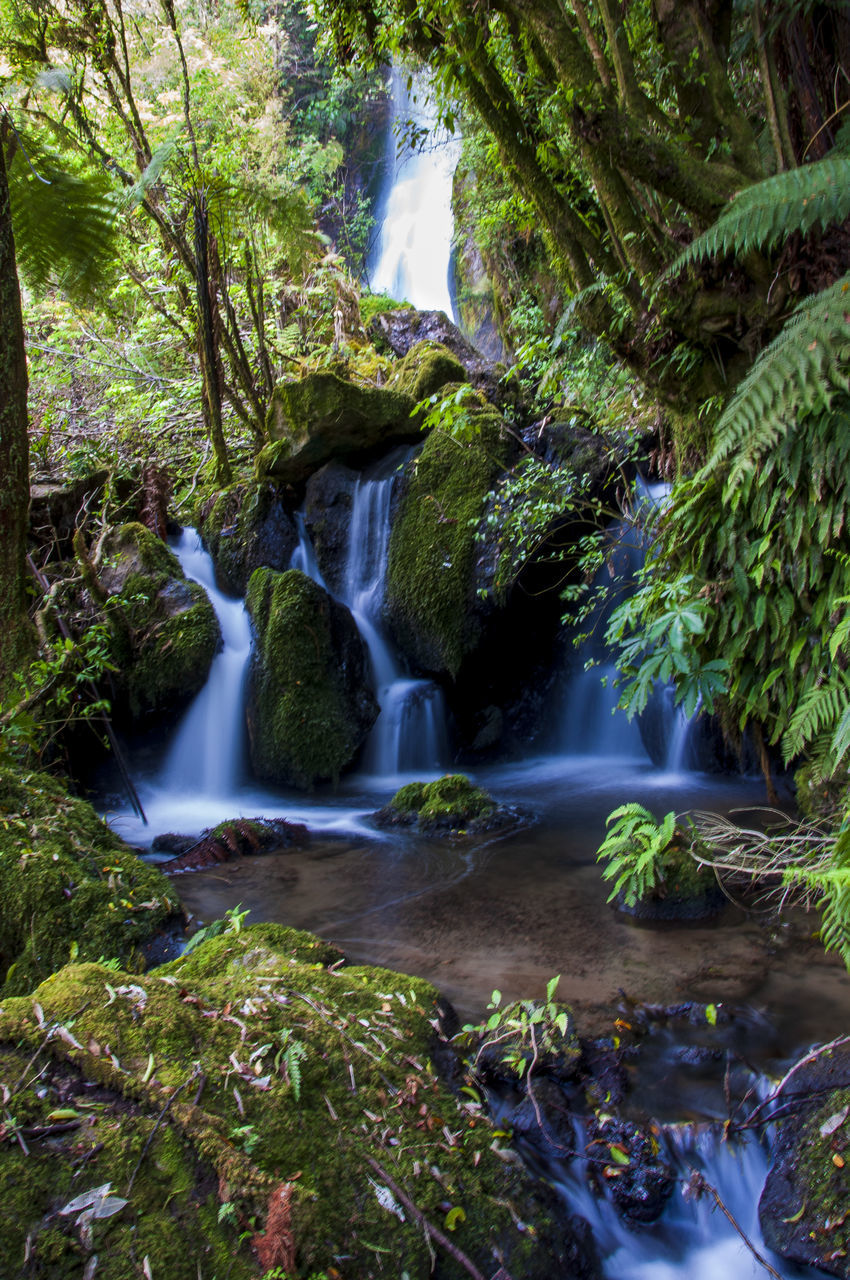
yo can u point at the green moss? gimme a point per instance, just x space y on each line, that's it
323 402
427 367
68 885
454 796
164 627
431 598
410 798
227 1016
378 304
310 705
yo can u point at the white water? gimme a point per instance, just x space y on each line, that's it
409 737
206 756
412 258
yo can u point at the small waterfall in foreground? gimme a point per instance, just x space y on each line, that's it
413 252
206 755
410 732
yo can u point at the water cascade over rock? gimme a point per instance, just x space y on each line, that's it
414 247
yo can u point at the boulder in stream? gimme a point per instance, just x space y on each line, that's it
165 632
310 701
323 417
246 527
448 805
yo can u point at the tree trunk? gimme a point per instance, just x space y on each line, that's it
17 637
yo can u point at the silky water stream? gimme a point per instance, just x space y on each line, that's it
509 912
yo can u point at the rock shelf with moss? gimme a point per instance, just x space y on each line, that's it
246 527
310 703
449 804
256 1091
70 887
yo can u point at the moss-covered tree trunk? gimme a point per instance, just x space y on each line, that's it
15 636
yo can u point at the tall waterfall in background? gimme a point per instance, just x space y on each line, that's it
413 251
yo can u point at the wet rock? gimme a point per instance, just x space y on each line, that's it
328 500
246 527
310 703
449 805
236 838
543 1118
803 1209
676 907
433 607
323 418
404 328
629 1165
164 629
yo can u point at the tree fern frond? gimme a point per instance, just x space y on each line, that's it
64 220
833 884
799 373
759 217
821 710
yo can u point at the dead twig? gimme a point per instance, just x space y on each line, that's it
699 1185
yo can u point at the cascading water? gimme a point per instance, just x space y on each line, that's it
206 754
413 251
409 735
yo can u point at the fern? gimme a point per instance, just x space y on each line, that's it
823 709
833 886
812 197
799 373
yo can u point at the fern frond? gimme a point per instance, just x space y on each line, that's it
761 216
833 884
823 709
64 220
799 373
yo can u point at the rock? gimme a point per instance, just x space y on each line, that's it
328 500
426 369
803 1207
543 1118
70 887
226 1116
505 1052
165 632
323 417
449 804
638 1179
234 838
432 605
246 527
310 703
405 327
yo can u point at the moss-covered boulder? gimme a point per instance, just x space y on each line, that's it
164 627
433 606
404 328
268 1095
451 805
804 1206
310 701
68 886
322 417
427 368
246 527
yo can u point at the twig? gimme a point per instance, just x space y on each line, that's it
801 1062
434 1232
153 1131
700 1184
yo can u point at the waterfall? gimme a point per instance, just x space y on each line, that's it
206 755
409 735
413 252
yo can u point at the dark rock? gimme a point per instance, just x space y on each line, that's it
246 527
328 500
803 1207
404 328
672 906
165 632
173 843
323 418
237 838
310 703
543 1118
639 1180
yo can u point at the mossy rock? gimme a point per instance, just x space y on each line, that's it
432 604
164 627
68 885
803 1207
246 527
449 804
427 368
254 1076
310 703
323 417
